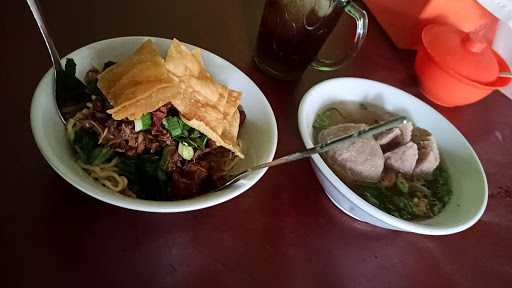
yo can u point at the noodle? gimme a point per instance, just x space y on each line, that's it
106 175
103 135
70 125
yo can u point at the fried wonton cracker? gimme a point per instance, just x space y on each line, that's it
205 105
141 75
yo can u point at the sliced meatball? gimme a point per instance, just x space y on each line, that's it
406 132
402 159
395 137
428 156
339 130
387 136
359 159
428 159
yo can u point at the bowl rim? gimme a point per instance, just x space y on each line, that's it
199 202
360 202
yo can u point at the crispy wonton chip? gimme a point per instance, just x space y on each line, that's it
206 105
142 75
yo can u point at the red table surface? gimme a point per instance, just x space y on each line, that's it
283 232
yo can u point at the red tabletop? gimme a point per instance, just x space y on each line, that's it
283 232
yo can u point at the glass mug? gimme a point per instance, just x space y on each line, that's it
293 31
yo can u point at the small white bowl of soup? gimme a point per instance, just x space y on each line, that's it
467 178
258 134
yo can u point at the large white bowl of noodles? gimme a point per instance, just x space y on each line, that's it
258 134
468 180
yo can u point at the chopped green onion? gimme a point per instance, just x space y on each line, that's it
138 124
402 184
185 134
146 120
172 124
143 122
185 151
184 125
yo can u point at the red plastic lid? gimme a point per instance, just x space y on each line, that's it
461 53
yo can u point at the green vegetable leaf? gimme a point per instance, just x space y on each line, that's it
69 88
372 200
85 141
70 67
166 157
145 177
410 198
100 155
88 149
440 186
321 121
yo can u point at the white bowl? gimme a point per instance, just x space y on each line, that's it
467 176
258 134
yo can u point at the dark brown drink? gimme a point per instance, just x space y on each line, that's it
291 34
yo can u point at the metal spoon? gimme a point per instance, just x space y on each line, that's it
505 74
69 92
393 122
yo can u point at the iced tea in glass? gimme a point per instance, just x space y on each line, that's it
292 32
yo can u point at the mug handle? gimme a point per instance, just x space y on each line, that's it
361 19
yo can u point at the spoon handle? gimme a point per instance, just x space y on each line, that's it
316 149
326 146
506 74
36 11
